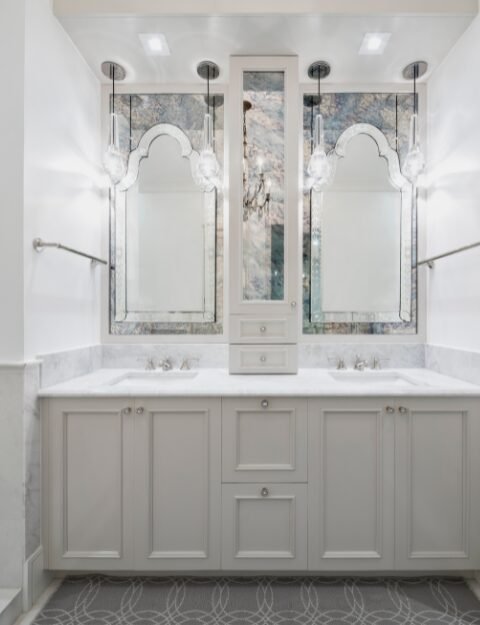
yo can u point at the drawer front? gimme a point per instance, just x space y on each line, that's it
257 329
263 359
264 527
264 440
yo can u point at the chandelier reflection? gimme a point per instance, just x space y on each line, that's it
256 190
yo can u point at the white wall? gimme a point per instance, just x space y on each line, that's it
64 198
12 39
453 208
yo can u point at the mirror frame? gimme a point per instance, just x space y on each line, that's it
407 197
119 235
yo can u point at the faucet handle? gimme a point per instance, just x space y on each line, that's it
187 363
339 362
377 362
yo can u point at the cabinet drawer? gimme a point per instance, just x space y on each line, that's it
258 329
263 359
264 440
264 527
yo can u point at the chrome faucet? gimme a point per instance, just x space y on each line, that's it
166 364
360 364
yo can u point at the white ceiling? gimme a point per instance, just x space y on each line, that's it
333 38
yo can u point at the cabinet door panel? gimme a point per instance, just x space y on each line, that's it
178 484
264 441
351 446
264 531
89 473
436 514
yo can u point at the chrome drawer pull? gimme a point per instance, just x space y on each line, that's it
263 329
127 410
264 403
402 410
139 410
264 492
263 358
390 410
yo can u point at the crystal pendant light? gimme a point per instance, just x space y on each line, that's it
319 167
114 162
414 161
208 168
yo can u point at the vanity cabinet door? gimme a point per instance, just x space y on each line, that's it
177 484
351 484
264 440
437 485
264 527
88 468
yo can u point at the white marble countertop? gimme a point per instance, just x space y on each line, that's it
218 383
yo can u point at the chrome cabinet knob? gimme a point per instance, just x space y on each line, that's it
127 410
264 403
403 410
263 329
264 492
139 410
389 410
293 304
263 358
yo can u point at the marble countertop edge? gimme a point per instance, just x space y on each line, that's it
307 383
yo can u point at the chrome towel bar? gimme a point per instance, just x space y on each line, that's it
430 261
39 245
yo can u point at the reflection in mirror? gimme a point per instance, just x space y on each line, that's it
361 234
263 241
165 234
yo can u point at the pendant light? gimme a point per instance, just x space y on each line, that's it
319 168
414 161
114 162
208 169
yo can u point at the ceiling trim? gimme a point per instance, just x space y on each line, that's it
142 8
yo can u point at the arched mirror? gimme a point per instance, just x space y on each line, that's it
361 227
164 234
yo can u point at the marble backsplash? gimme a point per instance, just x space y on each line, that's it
62 366
457 363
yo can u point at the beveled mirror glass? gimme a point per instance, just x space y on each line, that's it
164 234
361 223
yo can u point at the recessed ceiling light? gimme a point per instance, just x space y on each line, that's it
154 44
374 43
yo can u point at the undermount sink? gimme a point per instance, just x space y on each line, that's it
140 378
373 378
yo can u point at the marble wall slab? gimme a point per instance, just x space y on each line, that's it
62 366
33 452
457 363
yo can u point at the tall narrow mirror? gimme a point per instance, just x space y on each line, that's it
263 236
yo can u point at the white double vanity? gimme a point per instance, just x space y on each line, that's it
205 471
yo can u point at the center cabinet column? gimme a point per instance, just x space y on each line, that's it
264 214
